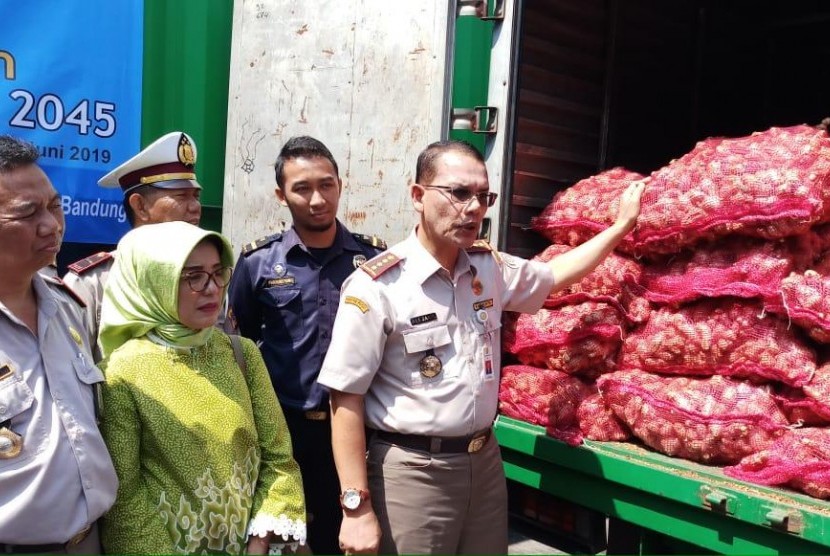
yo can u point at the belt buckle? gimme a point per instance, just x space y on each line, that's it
315 415
79 537
477 443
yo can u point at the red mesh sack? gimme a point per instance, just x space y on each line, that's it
799 408
738 266
613 281
598 422
722 336
770 184
578 213
805 300
570 338
543 397
799 459
711 420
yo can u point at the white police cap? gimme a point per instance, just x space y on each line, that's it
167 163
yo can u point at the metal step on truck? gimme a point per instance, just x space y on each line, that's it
552 91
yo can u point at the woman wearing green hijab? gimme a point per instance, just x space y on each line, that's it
201 447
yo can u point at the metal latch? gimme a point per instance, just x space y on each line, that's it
487 10
781 519
716 500
481 119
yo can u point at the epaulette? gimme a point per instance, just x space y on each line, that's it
260 243
66 289
374 241
380 264
483 246
79 267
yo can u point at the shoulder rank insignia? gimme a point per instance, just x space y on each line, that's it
483 246
64 287
380 264
79 267
260 243
374 241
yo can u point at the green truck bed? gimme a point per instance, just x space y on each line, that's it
694 503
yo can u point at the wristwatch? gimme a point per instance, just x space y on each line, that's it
352 498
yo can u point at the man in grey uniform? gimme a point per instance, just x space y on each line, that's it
56 476
415 358
159 185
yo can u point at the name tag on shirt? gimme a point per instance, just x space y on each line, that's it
278 282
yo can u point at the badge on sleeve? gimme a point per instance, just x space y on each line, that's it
357 302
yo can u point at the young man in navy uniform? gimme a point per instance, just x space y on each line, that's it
284 295
159 185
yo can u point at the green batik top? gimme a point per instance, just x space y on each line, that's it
203 459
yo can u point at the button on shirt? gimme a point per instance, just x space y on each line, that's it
285 297
63 480
385 327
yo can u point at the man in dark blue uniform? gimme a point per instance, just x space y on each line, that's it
284 295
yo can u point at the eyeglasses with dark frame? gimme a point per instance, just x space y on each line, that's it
463 195
198 280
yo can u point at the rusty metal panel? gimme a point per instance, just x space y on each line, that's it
364 77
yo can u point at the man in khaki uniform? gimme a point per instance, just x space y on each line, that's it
56 476
415 358
159 185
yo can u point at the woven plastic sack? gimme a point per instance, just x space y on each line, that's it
570 338
728 337
586 208
771 184
598 422
711 420
805 300
800 459
543 397
737 266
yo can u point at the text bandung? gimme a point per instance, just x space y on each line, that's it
96 208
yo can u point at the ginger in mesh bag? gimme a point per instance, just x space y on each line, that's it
571 338
543 397
722 336
711 420
799 459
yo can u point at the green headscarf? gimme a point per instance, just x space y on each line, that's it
141 295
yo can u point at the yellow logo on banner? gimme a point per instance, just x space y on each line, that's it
10 67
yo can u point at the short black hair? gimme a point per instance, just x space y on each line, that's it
425 167
15 152
142 190
302 146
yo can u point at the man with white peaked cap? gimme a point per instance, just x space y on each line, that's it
159 185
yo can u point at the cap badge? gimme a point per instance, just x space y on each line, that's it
185 151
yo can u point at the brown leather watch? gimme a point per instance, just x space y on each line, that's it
352 498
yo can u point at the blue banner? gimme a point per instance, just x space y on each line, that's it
70 82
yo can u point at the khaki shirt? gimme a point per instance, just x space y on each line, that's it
385 327
90 287
63 479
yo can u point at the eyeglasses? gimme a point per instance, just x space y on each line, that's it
463 195
198 280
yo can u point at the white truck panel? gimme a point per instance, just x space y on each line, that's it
366 77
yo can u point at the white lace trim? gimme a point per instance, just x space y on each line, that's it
293 533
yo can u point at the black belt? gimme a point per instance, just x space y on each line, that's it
437 444
51 547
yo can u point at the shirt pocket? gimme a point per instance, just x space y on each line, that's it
283 314
16 399
418 344
86 370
